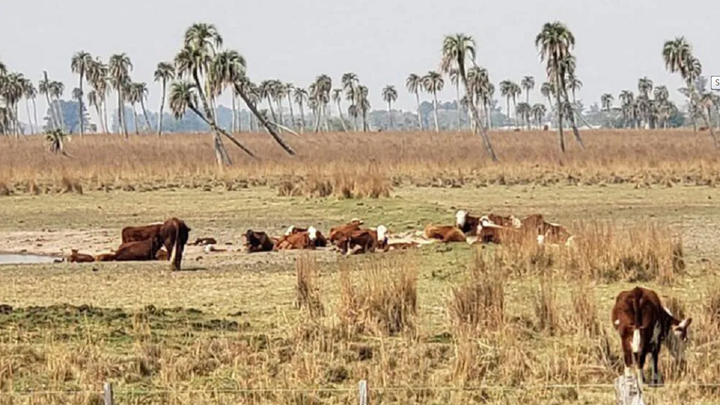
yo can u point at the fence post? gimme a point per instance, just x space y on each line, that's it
108 394
364 393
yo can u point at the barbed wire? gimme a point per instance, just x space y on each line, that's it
534 387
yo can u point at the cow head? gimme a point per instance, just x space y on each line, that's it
460 218
312 233
290 230
382 233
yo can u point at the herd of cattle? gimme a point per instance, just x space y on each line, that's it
638 315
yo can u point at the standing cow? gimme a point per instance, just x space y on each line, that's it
644 324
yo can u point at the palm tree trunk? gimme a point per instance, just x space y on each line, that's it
559 104
121 109
37 127
317 116
220 152
265 123
80 105
476 117
390 120
302 118
27 108
61 114
272 111
573 125
292 113
145 114
507 103
233 125
99 114
517 119
417 99
53 121
457 100
162 107
342 119
280 111
435 109
135 123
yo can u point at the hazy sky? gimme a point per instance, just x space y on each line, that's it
380 40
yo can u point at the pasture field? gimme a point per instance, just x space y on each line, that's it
440 324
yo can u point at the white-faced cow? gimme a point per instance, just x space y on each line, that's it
644 324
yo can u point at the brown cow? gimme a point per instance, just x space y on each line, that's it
174 234
320 240
299 240
445 233
258 241
134 251
644 324
76 257
489 232
344 230
507 222
554 234
365 240
138 233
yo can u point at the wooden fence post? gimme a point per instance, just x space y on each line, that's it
108 394
364 393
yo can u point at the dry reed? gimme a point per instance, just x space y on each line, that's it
355 165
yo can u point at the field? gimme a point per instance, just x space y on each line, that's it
442 324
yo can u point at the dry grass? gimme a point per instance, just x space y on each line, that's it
307 293
357 165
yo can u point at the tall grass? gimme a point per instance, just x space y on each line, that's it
365 164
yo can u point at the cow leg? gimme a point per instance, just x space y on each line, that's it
627 357
641 365
656 379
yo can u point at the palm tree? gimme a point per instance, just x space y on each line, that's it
44 88
54 138
79 64
661 93
11 90
119 68
480 89
538 112
413 83
506 90
645 86
30 94
573 84
456 50
56 91
523 110
94 101
97 75
320 92
363 104
266 92
227 67
289 88
627 101
142 92
548 91
606 101
516 91
432 83
350 82
301 97
555 41
164 73
678 57
337 98
390 95
527 83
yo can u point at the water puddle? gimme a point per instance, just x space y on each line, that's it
14 258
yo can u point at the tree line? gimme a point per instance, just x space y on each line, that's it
203 70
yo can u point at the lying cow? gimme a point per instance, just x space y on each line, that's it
344 230
489 232
554 234
467 223
76 257
299 240
138 233
134 251
364 241
258 241
444 233
644 324
320 240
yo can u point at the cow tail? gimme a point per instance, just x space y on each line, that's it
636 338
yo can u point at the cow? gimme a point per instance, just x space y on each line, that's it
138 233
320 240
258 241
344 230
466 222
134 251
489 232
507 222
444 233
554 234
76 257
644 324
299 240
365 240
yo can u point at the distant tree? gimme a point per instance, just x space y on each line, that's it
527 83
54 139
56 92
289 88
349 83
606 101
164 73
507 91
45 89
120 67
678 57
301 97
30 94
389 95
523 111
538 113
573 84
432 83
413 83
80 63
98 76
337 98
